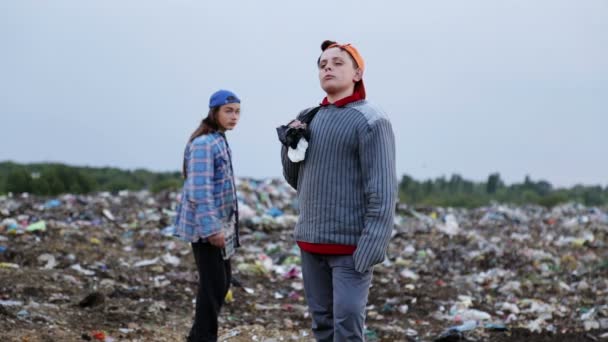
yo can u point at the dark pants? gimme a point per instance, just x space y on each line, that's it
214 282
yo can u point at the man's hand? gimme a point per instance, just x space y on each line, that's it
217 240
297 124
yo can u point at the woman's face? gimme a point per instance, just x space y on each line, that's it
228 116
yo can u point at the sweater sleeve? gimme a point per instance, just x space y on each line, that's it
377 157
290 169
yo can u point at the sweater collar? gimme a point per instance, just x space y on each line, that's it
358 94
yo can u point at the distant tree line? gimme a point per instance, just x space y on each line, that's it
54 178
459 192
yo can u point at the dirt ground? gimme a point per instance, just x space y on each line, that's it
95 290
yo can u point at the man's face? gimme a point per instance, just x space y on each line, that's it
337 71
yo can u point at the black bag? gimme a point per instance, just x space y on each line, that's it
290 136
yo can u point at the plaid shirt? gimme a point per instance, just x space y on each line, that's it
208 198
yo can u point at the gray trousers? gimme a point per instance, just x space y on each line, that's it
337 296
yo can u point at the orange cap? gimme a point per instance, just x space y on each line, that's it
359 87
353 52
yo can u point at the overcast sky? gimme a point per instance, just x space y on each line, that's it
471 87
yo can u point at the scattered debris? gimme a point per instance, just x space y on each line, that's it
497 273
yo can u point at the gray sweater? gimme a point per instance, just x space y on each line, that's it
347 183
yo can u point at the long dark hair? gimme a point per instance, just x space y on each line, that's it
208 125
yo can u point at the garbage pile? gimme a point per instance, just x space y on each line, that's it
106 267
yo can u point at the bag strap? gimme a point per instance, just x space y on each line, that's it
307 118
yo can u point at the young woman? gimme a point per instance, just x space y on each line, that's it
207 215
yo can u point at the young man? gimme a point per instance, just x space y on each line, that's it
347 191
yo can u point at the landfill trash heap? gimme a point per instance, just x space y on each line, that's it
106 267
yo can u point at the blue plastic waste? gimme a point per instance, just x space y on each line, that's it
168 231
275 212
54 203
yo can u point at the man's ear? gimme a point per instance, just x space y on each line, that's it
358 75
